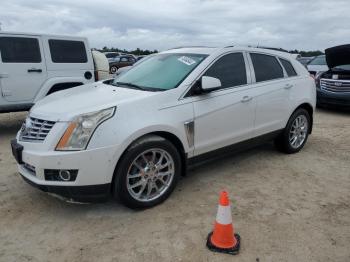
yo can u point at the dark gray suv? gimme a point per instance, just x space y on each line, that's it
333 86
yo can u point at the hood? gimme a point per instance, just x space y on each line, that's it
64 105
338 55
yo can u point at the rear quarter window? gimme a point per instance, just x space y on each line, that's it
67 51
266 67
288 67
20 50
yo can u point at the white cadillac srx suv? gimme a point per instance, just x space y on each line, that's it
133 137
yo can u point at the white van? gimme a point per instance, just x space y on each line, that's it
33 66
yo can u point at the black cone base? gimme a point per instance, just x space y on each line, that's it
232 250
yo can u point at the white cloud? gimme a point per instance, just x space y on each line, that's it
160 24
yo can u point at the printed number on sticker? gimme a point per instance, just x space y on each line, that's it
187 60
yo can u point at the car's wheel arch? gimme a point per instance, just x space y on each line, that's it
55 81
166 134
309 108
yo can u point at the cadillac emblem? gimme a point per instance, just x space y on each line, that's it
338 84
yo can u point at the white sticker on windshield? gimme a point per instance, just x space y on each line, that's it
187 60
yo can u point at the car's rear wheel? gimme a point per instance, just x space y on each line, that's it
147 173
294 136
113 69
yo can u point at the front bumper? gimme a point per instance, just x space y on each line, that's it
84 194
335 99
93 180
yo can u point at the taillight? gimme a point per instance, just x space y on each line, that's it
96 75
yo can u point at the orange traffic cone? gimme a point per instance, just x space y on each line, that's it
223 239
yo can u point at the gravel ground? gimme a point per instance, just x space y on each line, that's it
285 207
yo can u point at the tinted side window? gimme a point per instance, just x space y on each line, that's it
288 67
66 51
266 67
20 50
230 69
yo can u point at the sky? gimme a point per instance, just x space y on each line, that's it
161 24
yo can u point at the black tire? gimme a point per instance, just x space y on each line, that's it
113 69
121 191
283 143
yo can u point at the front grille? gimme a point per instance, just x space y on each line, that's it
335 86
35 129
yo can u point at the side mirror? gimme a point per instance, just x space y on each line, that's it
209 84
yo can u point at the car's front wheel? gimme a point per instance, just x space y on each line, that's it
295 134
147 173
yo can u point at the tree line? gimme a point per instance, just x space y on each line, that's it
137 51
307 53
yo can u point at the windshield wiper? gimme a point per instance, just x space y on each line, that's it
130 85
134 86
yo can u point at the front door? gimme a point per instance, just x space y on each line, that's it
225 116
22 67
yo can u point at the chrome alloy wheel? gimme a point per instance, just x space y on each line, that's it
298 131
150 174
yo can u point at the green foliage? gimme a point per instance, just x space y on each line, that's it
137 51
307 53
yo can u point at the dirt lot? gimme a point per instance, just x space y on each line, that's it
286 208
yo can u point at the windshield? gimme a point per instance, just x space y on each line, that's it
320 60
160 72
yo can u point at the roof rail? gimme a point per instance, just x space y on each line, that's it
190 46
263 47
239 45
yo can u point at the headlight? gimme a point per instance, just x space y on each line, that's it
80 130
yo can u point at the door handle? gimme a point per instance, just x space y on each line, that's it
246 99
4 75
288 86
35 70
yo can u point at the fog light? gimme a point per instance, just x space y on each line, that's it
64 175
61 175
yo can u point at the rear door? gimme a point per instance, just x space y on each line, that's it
225 116
272 92
22 67
69 57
